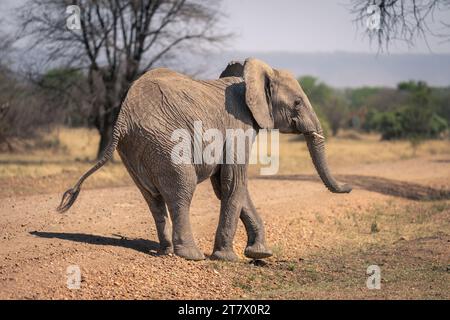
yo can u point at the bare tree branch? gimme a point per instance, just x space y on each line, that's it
399 20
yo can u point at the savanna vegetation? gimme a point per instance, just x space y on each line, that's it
119 40
413 110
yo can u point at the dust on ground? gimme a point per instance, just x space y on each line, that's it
397 217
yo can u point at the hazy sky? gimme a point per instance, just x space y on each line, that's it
293 25
306 25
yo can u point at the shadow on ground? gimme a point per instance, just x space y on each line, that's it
442 161
141 245
47 162
396 188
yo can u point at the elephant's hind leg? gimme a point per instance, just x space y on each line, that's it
159 211
155 203
178 192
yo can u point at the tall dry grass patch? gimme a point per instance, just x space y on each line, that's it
72 151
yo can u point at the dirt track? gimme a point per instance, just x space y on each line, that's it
322 242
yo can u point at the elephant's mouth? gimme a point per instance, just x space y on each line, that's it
309 132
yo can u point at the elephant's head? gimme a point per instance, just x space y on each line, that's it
277 101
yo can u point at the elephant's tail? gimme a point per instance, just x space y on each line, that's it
71 195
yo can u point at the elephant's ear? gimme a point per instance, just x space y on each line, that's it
258 76
233 69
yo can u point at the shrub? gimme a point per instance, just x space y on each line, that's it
408 122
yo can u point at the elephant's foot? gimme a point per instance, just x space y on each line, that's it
189 252
166 249
224 255
257 251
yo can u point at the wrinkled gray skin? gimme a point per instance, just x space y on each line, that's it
247 96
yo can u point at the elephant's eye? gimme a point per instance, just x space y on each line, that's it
299 102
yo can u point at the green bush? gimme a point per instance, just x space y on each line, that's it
325 126
330 104
417 119
390 125
437 125
406 123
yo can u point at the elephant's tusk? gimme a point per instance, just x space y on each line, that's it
318 135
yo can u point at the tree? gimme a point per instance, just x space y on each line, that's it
441 100
400 20
327 102
358 96
118 41
318 92
420 120
336 110
22 110
415 120
64 90
10 112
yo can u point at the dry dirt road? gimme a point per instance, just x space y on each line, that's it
397 217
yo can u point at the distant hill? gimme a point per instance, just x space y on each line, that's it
339 69
343 69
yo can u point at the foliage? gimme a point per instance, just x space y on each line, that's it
67 93
23 110
359 96
325 125
328 103
413 110
415 120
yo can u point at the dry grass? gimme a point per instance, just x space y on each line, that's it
337 246
72 147
54 169
72 152
344 151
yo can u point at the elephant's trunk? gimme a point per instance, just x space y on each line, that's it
316 147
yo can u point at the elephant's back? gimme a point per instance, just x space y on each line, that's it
161 75
164 100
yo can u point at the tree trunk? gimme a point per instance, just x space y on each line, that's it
106 106
105 126
106 133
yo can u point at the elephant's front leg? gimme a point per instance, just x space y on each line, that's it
233 188
254 226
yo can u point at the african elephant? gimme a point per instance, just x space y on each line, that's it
249 96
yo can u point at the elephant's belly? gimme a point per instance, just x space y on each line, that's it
205 171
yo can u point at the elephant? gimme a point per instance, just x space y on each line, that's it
251 95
